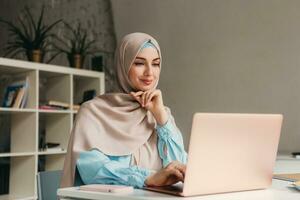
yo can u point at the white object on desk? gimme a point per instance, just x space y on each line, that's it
107 188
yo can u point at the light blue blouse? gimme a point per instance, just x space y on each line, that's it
96 167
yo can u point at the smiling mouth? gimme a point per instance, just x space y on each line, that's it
147 82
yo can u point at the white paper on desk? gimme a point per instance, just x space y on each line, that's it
107 188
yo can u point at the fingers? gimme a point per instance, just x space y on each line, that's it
181 168
150 96
137 96
143 97
177 174
164 177
146 97
178 166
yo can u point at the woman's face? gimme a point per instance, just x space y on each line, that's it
145 70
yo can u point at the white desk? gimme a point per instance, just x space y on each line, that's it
279 190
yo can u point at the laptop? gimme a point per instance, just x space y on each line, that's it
229 153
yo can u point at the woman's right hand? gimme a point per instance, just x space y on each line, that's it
171 174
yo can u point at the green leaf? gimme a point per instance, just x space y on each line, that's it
40 20
14 29
31 21
14 51
26 32
29 34
17 52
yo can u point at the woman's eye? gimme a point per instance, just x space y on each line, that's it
139 63
156 64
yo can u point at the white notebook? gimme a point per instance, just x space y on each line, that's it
107 188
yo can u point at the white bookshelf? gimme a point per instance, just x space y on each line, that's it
46 82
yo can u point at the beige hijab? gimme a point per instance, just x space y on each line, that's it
115 123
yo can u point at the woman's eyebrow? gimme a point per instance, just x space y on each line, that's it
140 58
145 59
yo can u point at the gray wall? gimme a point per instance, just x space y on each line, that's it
224 56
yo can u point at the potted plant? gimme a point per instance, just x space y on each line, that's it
76 45
30 37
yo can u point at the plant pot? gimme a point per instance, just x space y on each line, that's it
76 60
34 55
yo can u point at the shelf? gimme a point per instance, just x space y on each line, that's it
13 76
82 84
55 87
52 161
7 64
55 128
12 197
22 178
25 130
16 154
17 110
13 70
55 111
52 152
22 132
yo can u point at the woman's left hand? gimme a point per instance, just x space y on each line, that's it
152 101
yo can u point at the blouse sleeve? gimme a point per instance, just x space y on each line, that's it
170 143
95 167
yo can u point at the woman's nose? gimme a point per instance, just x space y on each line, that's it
148 70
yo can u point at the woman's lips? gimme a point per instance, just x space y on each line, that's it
146 82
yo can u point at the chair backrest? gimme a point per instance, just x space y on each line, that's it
48 182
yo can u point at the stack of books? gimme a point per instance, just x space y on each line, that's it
16 94
55 105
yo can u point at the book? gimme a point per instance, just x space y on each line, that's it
46 107
53 149
19 97
58 104
10 95
26 93
16 93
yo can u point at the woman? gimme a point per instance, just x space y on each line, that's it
128 137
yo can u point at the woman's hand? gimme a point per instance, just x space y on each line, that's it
171 174
152 100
